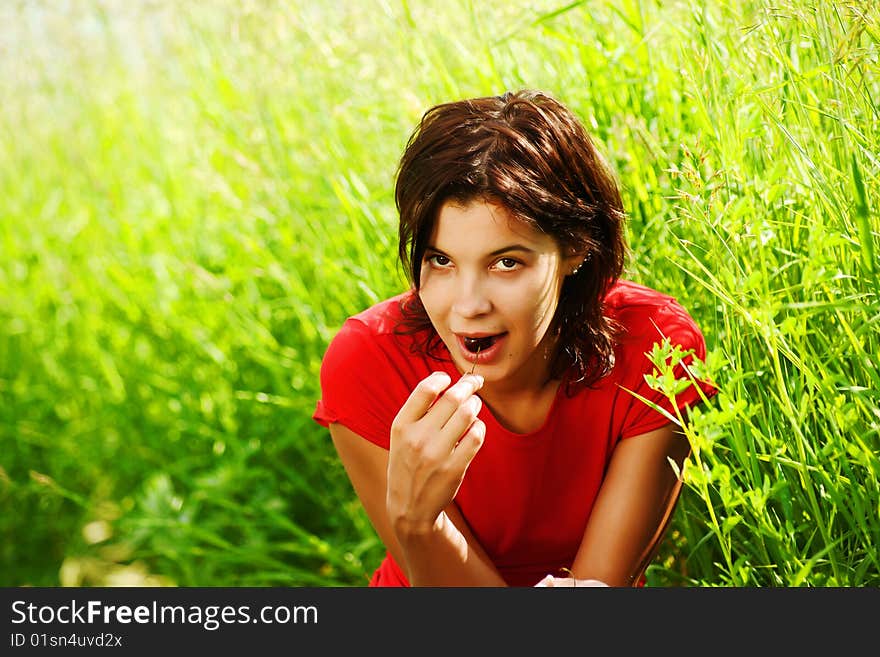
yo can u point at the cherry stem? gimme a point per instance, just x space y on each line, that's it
476 359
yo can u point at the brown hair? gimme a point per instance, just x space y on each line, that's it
530 154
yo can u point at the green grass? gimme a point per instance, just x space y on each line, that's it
192 200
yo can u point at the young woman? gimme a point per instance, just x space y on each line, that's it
486 417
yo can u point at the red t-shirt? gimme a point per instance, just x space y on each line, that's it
527 497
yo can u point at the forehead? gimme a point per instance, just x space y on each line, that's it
484 225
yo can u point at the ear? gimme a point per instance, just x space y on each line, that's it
573 261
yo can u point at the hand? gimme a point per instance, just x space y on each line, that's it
550 581
434 438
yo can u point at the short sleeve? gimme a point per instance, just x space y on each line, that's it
354 391
673 322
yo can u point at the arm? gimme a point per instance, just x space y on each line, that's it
633 507
446 555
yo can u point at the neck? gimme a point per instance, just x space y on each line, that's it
533 376
521 409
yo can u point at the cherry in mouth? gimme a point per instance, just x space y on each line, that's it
474 345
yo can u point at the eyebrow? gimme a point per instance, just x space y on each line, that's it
503 249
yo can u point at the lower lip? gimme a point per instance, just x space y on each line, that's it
485 356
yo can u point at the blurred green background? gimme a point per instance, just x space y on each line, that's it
194 196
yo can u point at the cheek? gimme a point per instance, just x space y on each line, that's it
432 300
533 305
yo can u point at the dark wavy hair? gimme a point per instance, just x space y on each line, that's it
527 152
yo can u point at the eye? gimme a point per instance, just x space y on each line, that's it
507 264
437 260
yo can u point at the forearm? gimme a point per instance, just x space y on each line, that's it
440 555
633 508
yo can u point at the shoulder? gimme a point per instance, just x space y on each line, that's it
646 318
367 372
647 315
367 334
381 318
628 301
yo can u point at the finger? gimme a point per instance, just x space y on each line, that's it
569 582
446 406
422 397
460 421
558 582
467 447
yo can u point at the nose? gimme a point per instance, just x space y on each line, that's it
471 297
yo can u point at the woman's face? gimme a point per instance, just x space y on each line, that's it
491 283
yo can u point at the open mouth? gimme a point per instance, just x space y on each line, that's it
474 345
